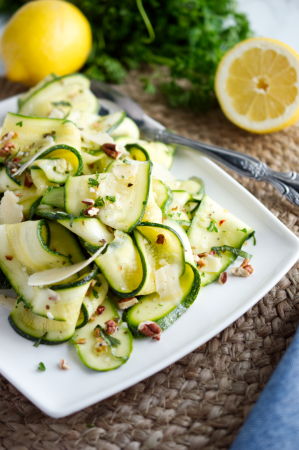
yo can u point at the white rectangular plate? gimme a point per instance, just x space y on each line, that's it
59 393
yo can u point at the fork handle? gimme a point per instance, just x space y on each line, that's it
287 183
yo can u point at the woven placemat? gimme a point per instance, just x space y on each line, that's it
201 401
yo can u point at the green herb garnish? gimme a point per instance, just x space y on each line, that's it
37 343
95 293
243 231
100 201
235 251
41 367
19 124
110 198
92 182
212 227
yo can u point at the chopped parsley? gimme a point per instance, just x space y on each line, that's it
111 341
100 201
110 198
212 227
243 231
95 293
37 343
19 124
41 367
92 182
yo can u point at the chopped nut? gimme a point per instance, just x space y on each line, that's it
223 278
28 180
212 253
111 326
201 263
96 332
160 239
175 209
80 341
100 310
7 137
111 150
8 257
92 318
150 329
88 201
50 315
64 365
101 345
244 270
92 211
125 303
202 255
130 184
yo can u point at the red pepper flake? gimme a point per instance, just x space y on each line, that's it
221 222
100 310
8 257
120 267
212 253
47 307
16 160
64 262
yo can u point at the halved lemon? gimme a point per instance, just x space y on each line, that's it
257 85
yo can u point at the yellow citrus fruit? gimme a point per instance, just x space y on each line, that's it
42 37
257 85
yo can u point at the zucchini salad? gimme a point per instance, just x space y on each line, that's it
101 243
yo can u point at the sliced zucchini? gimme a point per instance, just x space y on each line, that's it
23 97
193 185
34 134
93 124
158 152
124 194
127 128
214 226
26 236
179 209
8 181
90 230
123 266
108 358
34 327
164 313
93 299
163 195
40 180
54 196
62 93
159 245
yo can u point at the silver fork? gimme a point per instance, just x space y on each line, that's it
287 183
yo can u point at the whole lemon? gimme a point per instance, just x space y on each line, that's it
42 37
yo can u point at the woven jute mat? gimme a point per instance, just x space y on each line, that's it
201 401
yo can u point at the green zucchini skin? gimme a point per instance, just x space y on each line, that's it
70 149
168 319
54 196
4 281
33 338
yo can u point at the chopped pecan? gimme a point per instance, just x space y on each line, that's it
100 310
91 211
125 303
88 201
80 341
7 137
212 253
150 329
202 255
160 239
28 180
92 318
244 270
8 257
110 326
130 184
5 151
223 278
201 263
64 365
100 345
111 150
